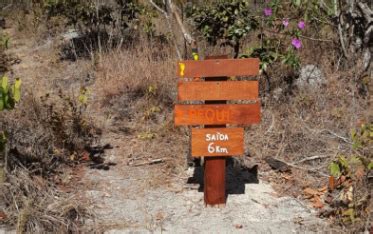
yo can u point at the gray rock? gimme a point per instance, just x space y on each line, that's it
69 35
310 76
277 93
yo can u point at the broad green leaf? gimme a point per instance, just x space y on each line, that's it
370 165
83 99
343 161
17 90
350 213
4 84
334 169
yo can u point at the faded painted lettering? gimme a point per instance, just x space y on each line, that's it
211 114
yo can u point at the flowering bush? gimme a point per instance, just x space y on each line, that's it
280 39
226 23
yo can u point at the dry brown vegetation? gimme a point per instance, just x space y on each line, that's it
45 134
132 93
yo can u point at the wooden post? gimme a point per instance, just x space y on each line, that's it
214 167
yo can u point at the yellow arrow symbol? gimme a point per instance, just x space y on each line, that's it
182 69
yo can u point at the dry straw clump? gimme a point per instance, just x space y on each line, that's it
35 206
44 135
135 89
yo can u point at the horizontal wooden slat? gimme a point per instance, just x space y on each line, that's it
217 142
225 90
217 114
218 67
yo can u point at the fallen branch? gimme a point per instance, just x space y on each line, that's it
314 170
312 158
152 162
345 139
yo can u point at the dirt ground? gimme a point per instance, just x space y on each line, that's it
126 200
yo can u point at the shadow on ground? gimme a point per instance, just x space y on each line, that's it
235 178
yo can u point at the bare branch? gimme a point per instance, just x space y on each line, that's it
159 9
342 40
312 158
169 24
185 32
367 12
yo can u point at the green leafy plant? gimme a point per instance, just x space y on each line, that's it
9 94
4 41
83 96
280 37
224 22
353 166
351 173
90 16
363 136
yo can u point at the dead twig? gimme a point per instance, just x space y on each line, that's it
345 139
314 170
152 162
312 158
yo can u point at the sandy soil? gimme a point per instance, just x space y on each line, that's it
126 200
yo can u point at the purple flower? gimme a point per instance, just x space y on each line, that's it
267 11
296 43
301 24
285 22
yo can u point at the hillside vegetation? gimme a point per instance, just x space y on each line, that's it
74 74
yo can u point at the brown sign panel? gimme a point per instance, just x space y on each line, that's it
218 68
214 114
215 90
217 142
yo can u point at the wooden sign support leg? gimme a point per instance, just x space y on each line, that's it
214 167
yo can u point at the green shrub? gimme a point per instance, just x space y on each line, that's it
226 22
9 94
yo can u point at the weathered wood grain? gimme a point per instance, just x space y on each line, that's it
218 90
218 68
213 114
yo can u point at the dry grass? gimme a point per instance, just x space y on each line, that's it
135 90
45 134
35 206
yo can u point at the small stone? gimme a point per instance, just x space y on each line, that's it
310 76
277 93
238 226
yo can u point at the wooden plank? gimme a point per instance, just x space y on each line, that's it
215 90
217 142
217 114
218 68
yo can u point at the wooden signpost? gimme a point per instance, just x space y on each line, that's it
215 142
